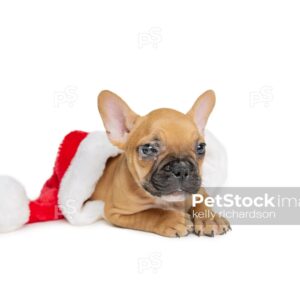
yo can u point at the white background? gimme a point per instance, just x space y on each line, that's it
56 57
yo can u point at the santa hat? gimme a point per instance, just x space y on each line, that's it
79 165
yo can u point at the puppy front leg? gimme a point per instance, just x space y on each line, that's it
163 222
206 221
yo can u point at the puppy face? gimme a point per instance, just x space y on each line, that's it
165 149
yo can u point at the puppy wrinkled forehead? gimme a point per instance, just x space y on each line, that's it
170 122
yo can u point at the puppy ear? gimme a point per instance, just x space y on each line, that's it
202 109
117 117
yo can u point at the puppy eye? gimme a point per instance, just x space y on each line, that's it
200 149
148 150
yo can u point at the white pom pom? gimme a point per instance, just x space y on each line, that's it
14 204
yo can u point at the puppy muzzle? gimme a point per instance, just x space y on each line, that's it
177 175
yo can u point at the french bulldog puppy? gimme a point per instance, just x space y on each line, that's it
149 186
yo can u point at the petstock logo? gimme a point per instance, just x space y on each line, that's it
251 205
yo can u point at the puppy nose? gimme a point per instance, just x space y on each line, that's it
179 168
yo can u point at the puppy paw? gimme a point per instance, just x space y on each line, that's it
175 224
211 227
